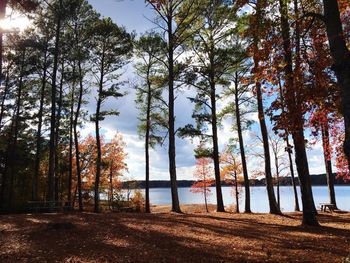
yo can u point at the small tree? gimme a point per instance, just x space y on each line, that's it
231 170
277 145
114 160
204 174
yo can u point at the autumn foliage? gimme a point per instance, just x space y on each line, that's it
113 164
204 175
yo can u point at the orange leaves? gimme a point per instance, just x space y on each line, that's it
344 6
113 161
231 165
204 174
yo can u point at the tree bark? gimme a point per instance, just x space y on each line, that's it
147 141
39 131
52 145
172 150
76 137
216 158
236 193
268 175
293 106
111 185
328 164
3 98
278 181
58 124
71 124
98 139
289 151
3 5
341 58
296 200
11 161
242 150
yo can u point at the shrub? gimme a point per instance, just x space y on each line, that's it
137 202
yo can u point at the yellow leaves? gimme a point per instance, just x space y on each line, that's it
231 164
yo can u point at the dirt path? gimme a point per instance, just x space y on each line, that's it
166 237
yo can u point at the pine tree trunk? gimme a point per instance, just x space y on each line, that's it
13 148
4 180
58 124
242 151
296 200
98 159
268 175
39 131
293 106
205 199
71 124
341 58
3 5
98 139
111 185
52 145
278 185
236 193
2 111
147 142
172 150
216 158
328 164
4 96
76 137
5 169
289 151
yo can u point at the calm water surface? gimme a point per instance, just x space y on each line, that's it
259 201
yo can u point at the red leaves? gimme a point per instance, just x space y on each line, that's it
204 174
113 161
344 6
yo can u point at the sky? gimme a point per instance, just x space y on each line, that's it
134 15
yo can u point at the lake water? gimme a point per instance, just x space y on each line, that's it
259 201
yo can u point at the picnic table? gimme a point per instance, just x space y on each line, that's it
45 206
324 206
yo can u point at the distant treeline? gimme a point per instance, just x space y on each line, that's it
316 179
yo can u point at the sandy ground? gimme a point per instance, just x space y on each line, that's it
194 236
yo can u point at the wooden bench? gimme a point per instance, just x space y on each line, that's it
330 207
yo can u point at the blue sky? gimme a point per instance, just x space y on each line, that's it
134 15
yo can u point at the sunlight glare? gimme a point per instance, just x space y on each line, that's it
15 21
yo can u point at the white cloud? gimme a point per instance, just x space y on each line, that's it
127 122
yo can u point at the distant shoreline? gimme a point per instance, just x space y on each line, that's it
252 186
316 180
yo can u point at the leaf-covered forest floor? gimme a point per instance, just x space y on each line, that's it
166 237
